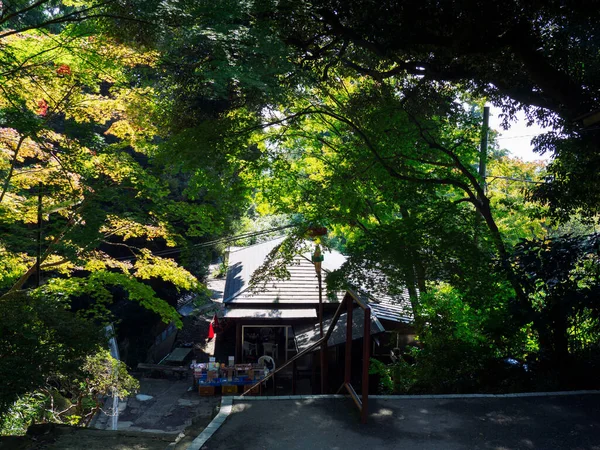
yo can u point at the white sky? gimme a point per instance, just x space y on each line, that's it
517 139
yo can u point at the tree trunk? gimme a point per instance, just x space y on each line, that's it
486 213
410 271
12 168
561 356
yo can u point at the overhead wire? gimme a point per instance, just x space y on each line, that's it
213 242
584 130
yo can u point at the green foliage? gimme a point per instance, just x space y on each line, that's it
28 409
71 398
509 183
517 66
459 337
462 348
40 338
106 375
82 124
100 194
151 135
561 276
97 284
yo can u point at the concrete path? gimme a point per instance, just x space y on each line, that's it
171 409
548 423
216 285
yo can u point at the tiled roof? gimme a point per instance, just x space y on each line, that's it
243 262
397 308
302 286
309 334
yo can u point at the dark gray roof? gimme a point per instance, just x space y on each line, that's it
396 308
309 334
302 285
243 262
301 288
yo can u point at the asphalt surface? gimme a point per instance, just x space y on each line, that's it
548 423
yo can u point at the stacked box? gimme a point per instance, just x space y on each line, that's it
206 391
228 389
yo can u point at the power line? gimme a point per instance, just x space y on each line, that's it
226 239
585 130
523 180
213 242
518 137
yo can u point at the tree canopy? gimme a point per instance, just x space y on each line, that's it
93 209
540 58
134 133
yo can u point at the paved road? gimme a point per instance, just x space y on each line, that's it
548 423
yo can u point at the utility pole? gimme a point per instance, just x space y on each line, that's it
324 346
38 259
484 144
317 259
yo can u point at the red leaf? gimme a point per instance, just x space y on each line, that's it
42 107
63 70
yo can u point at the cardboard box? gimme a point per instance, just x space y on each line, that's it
229 389
206 391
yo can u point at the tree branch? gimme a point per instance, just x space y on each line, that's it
22 11
12 167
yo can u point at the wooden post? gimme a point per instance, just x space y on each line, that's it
348 371
313 374
238 343
294 368
324 346
366 356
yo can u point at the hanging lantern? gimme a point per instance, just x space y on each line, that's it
317 231
317 258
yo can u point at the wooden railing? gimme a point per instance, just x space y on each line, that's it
348 302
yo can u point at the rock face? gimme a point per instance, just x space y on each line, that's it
143 397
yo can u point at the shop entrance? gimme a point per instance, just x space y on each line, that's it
277 342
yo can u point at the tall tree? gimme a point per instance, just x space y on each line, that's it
89 199
541 58
365 152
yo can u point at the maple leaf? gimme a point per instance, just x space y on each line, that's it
42 107
63 70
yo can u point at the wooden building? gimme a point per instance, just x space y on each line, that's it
281 317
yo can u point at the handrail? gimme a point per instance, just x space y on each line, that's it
309 349
351 297
357 299
353 394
